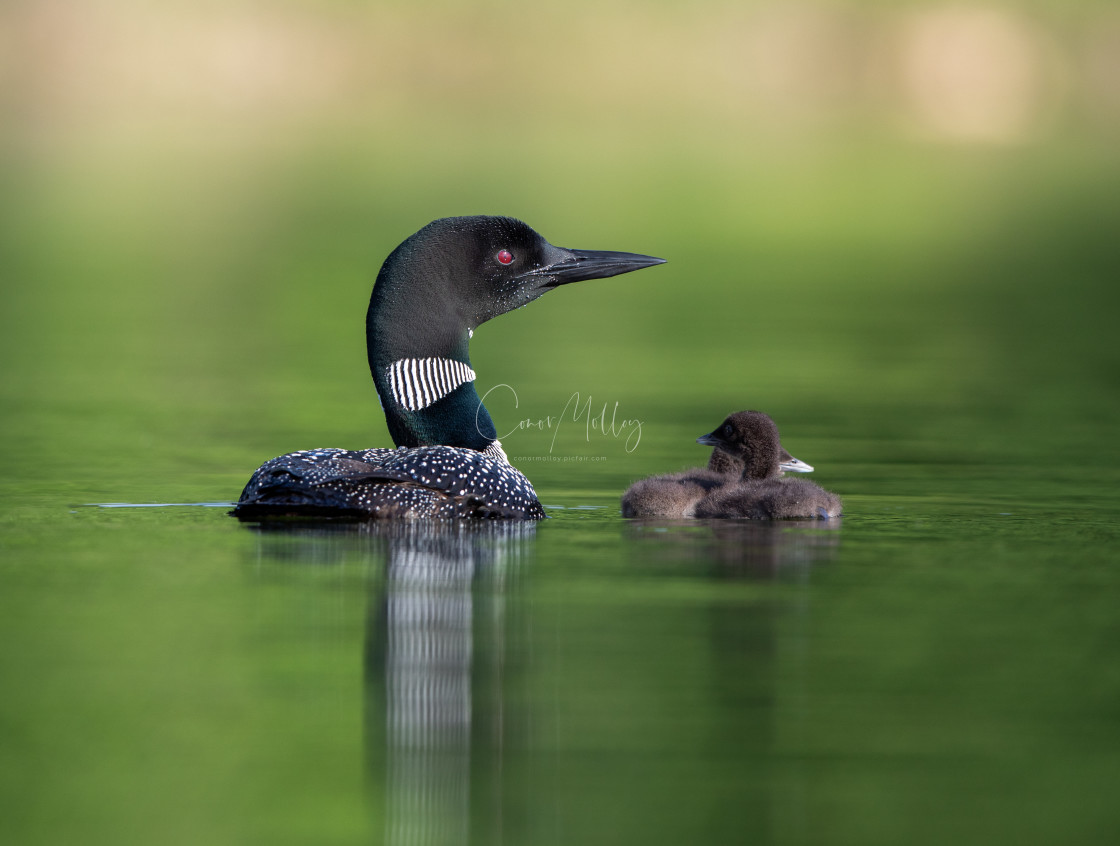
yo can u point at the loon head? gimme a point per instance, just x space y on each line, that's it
750 439
433 291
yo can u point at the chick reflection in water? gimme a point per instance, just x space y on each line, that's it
733 549
742 479
430 691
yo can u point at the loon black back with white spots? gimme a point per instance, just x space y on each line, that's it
433 291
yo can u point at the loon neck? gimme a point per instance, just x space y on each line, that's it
458 420
726 463
761 465
419 359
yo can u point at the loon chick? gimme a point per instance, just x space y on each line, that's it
771 499
746 450
432 292
762 494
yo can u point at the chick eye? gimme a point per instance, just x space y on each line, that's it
727 430
505 256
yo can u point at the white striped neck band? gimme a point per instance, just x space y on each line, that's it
416 383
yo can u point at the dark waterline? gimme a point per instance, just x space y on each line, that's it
159 505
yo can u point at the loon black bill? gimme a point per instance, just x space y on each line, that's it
578 265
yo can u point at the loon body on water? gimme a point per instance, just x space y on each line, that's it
432 292
742 479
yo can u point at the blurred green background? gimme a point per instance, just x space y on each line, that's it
893 226
865 206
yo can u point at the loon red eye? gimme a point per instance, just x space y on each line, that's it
505 256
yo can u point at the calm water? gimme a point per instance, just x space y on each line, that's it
939 667
936 667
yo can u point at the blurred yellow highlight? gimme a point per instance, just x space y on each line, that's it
973 73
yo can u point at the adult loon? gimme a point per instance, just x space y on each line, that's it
742 479
432 292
